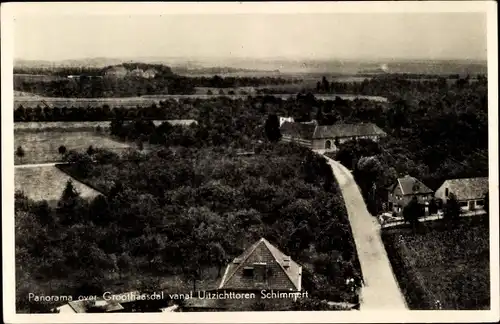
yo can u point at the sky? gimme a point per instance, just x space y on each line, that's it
291 36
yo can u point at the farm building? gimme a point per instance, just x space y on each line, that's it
328 137
469 192
403 191
285 119
116 72
149 74
262 266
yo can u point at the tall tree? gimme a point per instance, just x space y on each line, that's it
452 210
20 153
325 84
62 150
272 128
68 205
412 212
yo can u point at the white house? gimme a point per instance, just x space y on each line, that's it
469 192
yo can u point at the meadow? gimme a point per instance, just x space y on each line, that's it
43 146
442 267
47 183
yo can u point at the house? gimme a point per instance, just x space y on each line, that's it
329 136
469 192
403 191
137 73
116 72
285 119
262 266
149 74
90 306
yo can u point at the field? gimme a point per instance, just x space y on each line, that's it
36 77
42 147
446 265
47 183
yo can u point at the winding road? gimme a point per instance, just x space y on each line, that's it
380 290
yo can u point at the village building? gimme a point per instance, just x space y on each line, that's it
470 192
285 119
328 137
149 74
116 72
262 266
404 190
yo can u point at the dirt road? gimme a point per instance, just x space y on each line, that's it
380 290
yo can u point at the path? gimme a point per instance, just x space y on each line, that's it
380 290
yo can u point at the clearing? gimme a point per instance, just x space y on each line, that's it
41 147
47 183
443 267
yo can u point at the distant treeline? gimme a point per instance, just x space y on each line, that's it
164 81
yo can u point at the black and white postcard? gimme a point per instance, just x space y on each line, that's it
250 162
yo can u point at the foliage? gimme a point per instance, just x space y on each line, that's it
62 149
413 211
449 265
104 82
272 128
452 208
20 152
183 212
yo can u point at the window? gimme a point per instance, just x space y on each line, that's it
328 144
463 204
248 271
446 192
480 202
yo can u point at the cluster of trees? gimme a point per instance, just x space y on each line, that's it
184 211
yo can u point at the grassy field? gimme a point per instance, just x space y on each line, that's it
47 183
42 147
449 265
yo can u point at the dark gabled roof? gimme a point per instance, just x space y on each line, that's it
285 273
301 130
347 130
412 186
468 188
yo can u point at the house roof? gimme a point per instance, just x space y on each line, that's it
347 130
412 186
312 131
468 188
82 306
301 130
283 273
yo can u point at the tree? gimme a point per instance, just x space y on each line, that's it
325 84
90 150
433 206
62 150
452 208
140 145
336 142
68 205
412 212
272 128
20 152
